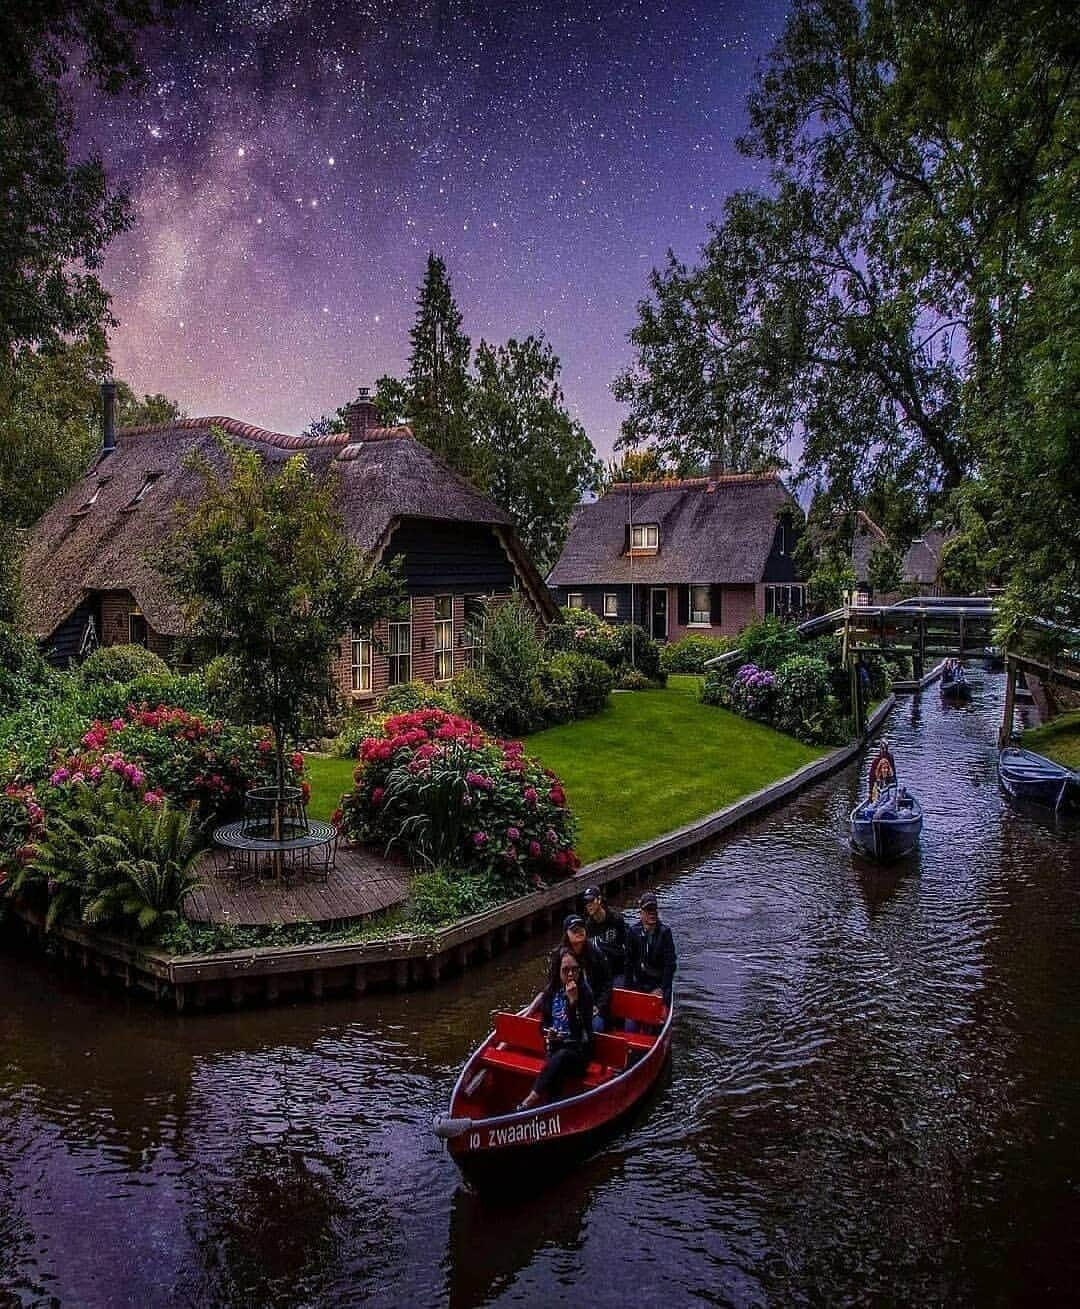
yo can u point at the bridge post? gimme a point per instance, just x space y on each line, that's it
1010 703
920 650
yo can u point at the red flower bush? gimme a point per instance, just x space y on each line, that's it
437 788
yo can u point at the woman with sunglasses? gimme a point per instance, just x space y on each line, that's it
566 1007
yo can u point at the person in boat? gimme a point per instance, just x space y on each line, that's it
882 772
593 964
566 1012
606 929
650 953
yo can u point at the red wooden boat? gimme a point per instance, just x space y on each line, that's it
491 1141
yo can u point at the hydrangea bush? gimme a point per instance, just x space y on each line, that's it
435 787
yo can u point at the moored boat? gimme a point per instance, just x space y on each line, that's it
492 1142
1026 775
887 833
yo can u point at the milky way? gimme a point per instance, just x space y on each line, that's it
292 164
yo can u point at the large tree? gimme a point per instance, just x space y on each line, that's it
59 214
887 298
133 412
535 460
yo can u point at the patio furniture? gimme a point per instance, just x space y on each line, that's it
313 850
261 806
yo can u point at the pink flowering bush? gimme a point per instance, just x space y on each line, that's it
437 788
22 821
170 752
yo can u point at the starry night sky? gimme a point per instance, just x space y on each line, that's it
292 163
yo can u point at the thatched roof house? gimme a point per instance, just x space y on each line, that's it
89 570
707 553
920 567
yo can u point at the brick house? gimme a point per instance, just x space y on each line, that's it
702 554
89 576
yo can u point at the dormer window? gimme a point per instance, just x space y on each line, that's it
151 478
645 536
88 504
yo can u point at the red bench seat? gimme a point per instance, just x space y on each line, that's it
520 1048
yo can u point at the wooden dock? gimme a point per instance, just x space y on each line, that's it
360 886
268 974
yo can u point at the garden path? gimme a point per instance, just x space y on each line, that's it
362 884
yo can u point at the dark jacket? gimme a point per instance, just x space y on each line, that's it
581 1016
650 959
610 937
597 974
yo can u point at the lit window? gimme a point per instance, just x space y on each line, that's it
361 661
645 536
611 604
700 605
575 600
399 642
444 638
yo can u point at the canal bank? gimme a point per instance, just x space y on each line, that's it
271 974
874 1097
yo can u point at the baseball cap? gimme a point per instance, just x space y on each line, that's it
591 893
647 900
571 921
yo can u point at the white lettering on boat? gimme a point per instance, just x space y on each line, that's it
536 1129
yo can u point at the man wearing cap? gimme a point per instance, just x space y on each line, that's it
606 929
650 952
593 965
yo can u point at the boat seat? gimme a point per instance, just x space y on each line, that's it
525 1036
638 1006
514 1061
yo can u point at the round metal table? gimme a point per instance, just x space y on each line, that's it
320 838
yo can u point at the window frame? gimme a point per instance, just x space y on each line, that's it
611 610
645 531
443 631
579 596
395 659
361 643
137 616
699 617
474 625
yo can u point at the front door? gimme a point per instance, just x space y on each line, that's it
658 613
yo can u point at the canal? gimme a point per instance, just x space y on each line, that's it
875 1098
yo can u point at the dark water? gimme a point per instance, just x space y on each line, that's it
875 1099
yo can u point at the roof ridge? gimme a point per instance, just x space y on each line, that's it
234 427
690 483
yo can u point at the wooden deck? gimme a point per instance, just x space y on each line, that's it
362 884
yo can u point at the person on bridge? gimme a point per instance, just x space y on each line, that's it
566 1012
882 771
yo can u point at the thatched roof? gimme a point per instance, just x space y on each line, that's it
712 529
922 559
110 545
867 538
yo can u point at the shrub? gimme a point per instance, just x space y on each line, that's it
506 707
439 790
802 696
563 634
443 895
22 823
407 696
753 692
767 642
112 855
31 733
688 655
23 672
121 663
182 691
716 689
633 679
574 686
359 724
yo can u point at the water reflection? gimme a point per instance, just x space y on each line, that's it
873 1097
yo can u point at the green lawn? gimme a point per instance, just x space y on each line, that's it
1058 739
330 779
656 760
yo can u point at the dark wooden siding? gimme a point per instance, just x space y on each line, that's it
451 557
781 567
593 599
62 648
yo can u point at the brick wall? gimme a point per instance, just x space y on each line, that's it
116 610
740 605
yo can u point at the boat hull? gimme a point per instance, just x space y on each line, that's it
957 692
1033 778
522 1149
885 839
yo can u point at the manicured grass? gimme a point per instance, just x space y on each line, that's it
656 760
329 779
1059 739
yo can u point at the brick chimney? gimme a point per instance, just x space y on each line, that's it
108 417
362 416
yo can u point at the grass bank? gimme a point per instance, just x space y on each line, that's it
656 760
330 779
1058 739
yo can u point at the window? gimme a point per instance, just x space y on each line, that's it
151 478
87 505
784 601
781 539
399 651
444 638
361 661
611 604
645 536
575 600
472 639
138 633
701 605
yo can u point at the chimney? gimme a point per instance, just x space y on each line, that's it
108 409
362 416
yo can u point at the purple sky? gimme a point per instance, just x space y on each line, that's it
291 165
